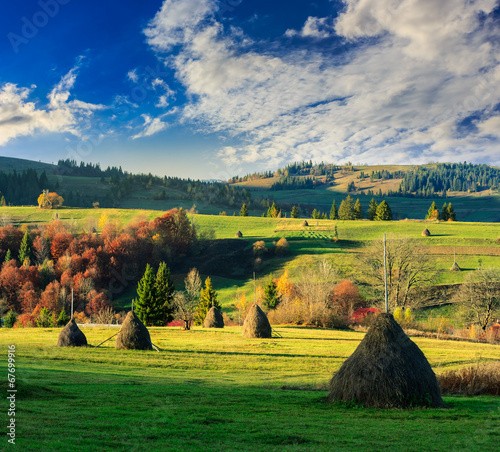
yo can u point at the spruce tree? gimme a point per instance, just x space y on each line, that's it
244 210
295 212
451 213
25 248
8 256
208 299
372 210
346 209
358 210
384 212
271 296
334 215
164 294
432 213
444 212
145 304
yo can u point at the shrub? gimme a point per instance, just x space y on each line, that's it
62 319
10 319
26 321
476 379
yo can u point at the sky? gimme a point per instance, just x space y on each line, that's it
210 89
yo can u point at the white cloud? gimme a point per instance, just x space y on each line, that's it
133 76
152 126
397 98
314 27
20 117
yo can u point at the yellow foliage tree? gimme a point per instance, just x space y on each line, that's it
103 221
50 200
284 286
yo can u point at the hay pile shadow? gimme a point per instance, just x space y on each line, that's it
426 233
256 323
71 336
387 370
213 319
133 334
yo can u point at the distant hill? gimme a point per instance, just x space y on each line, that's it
12 163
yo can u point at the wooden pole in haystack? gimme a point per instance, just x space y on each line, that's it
71 303
385 276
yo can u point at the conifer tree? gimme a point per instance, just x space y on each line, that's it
432 213
372 210
451 213
334 215
164 294
444 212
244 210
346 209
271 296
208 299
145 304
358 210
295 212
384 212
25 248
8 256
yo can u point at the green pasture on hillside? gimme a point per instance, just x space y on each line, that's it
214 390
475 244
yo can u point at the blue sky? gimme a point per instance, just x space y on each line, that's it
214 88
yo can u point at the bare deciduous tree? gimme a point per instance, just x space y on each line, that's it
480 295
408 267
187 301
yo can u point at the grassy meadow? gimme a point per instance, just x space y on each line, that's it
212 391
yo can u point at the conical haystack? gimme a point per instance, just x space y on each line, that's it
256 323
213 319
238 234
426 233
71 336
305 223
133 334
387 370
455 267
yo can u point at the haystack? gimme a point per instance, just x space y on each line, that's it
256 323
133 334
213 319
71 336
305 223
455 267
238 234
387 370
426 233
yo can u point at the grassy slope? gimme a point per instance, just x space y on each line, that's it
475 243
215 391
11 164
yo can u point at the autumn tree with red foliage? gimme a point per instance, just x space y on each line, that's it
346 298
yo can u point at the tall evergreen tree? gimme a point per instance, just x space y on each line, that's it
444 212
384 212
8 256
334 214
316 214
208 298
295 212
451 213
273 211
25 248
346 209
145 305
271 296
164 294
372 210
358 210
244 210
432 213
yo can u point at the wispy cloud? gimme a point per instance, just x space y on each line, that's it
21 117
151 126
417 69
314 27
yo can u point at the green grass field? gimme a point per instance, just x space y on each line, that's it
213 391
